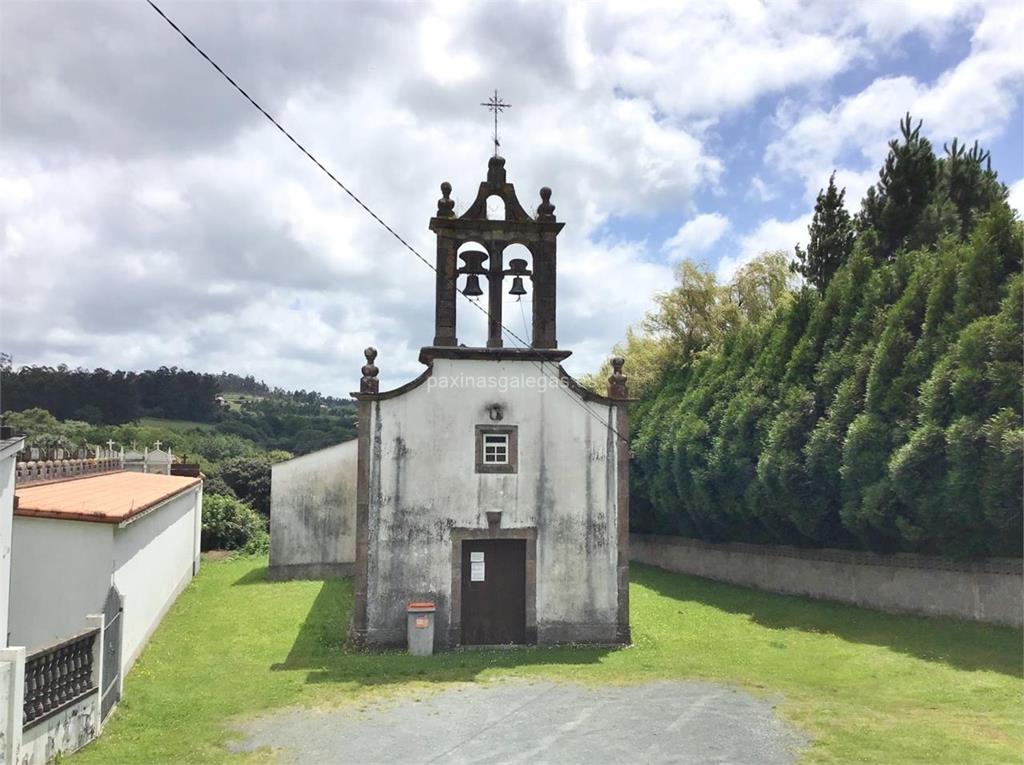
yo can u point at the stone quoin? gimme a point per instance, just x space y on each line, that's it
506 505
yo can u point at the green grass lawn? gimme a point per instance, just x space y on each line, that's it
864 686
176 425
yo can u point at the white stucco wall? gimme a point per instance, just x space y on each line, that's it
63 569
313 513
153 560
60 573
8 452
423 484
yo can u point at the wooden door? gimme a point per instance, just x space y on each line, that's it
493 591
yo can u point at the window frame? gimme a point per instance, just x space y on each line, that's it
496 448
511 432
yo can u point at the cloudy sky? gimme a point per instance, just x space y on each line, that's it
152 217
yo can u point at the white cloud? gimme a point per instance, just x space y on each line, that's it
696 236
973 100
760 190
702 59
150 216
770 234
1016 198
886 22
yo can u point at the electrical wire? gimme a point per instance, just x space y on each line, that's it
359 201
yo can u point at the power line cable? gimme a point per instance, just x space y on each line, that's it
355 198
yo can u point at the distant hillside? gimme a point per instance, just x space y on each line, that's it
273 418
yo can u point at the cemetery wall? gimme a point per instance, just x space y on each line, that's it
313 514
985 591
155 556
60 573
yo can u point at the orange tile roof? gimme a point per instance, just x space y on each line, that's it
104 498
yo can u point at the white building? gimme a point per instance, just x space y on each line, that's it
493 486
76 539
95 562
9 448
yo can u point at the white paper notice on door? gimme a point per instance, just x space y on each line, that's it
476 567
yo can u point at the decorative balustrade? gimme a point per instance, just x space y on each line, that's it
52 470
58 676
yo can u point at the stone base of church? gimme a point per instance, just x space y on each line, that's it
382 639
558 633
561 633
310 571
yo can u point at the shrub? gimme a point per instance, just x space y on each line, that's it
249 478
229 524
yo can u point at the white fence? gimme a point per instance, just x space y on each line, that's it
34 471
50 699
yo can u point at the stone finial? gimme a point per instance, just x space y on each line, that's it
446 205
617 381
496 171
546 210
369 382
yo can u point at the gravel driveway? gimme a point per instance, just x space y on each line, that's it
520 722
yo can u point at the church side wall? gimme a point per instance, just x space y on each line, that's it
424 492
312 514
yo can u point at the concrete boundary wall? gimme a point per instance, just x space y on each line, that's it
313 514
984 591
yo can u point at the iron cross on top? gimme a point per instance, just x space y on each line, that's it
495 104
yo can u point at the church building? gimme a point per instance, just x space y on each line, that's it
493 485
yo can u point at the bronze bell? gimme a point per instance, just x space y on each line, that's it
517 269
472 286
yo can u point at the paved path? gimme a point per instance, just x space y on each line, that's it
520 722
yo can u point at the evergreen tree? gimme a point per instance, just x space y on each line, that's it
892 209
831 238
882 410
970 184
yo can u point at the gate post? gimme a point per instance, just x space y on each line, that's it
12 702
111 647
97 621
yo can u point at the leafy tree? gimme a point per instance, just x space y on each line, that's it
759 288
698 313
831 236
249 479
214 484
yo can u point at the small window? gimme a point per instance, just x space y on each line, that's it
496 449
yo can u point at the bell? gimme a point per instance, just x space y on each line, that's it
472 286
517 286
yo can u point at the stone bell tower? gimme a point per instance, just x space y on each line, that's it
493 489
539 235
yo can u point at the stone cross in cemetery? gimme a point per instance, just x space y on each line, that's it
493 486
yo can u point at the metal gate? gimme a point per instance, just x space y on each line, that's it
112 617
